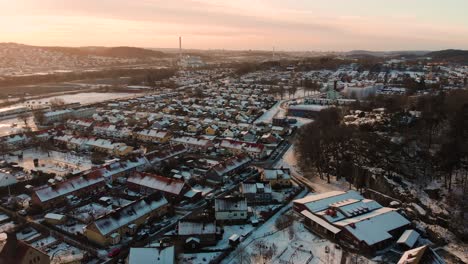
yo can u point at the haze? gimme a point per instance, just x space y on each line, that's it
242 24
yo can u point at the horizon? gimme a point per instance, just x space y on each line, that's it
322 26
235 50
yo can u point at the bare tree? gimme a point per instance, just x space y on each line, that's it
24 117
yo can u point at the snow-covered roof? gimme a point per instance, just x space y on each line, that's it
375 226
126 215
53 216
186 228
275 174
227 204
255 188
231 164
409 238
157 182
47 193
308 107
152 255
319 202
241 145
321 222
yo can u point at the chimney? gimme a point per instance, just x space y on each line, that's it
180 47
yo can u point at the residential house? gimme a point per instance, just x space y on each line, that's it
254 150
110 228
146 183
158 156
152 255
18 252
198 234
152 135
193 143
231 209
228 167
277 177
49 196
257 193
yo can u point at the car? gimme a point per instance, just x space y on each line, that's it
71 223
142 236
114 252
27 230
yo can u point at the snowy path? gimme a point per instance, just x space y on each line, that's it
268 116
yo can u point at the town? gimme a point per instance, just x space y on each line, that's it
216 169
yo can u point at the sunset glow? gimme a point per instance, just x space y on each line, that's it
254 24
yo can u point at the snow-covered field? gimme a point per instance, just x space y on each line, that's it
55 162
64 253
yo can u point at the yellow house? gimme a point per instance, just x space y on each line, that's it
110 228
122 150
193 128
211 130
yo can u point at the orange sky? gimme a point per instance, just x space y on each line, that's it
241 24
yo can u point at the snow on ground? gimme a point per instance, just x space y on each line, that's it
7 227
44 242
294 244
198 258
7 129
64 253
289 161
230 230
268 116
90 211
266 228
74 228
27 234
56 162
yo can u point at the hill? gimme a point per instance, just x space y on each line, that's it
19 59
113 52
451 55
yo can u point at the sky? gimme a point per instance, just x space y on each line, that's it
291 25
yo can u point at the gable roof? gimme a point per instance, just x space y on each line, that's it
157 182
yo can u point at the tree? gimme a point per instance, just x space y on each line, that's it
4 148
97 157
39 116
292 90
24 117
56 103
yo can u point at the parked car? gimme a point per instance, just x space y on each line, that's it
114 252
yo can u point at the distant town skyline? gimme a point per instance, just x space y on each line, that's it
319 25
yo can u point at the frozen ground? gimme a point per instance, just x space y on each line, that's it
230 230
64 253
7 129
198 258
55 162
